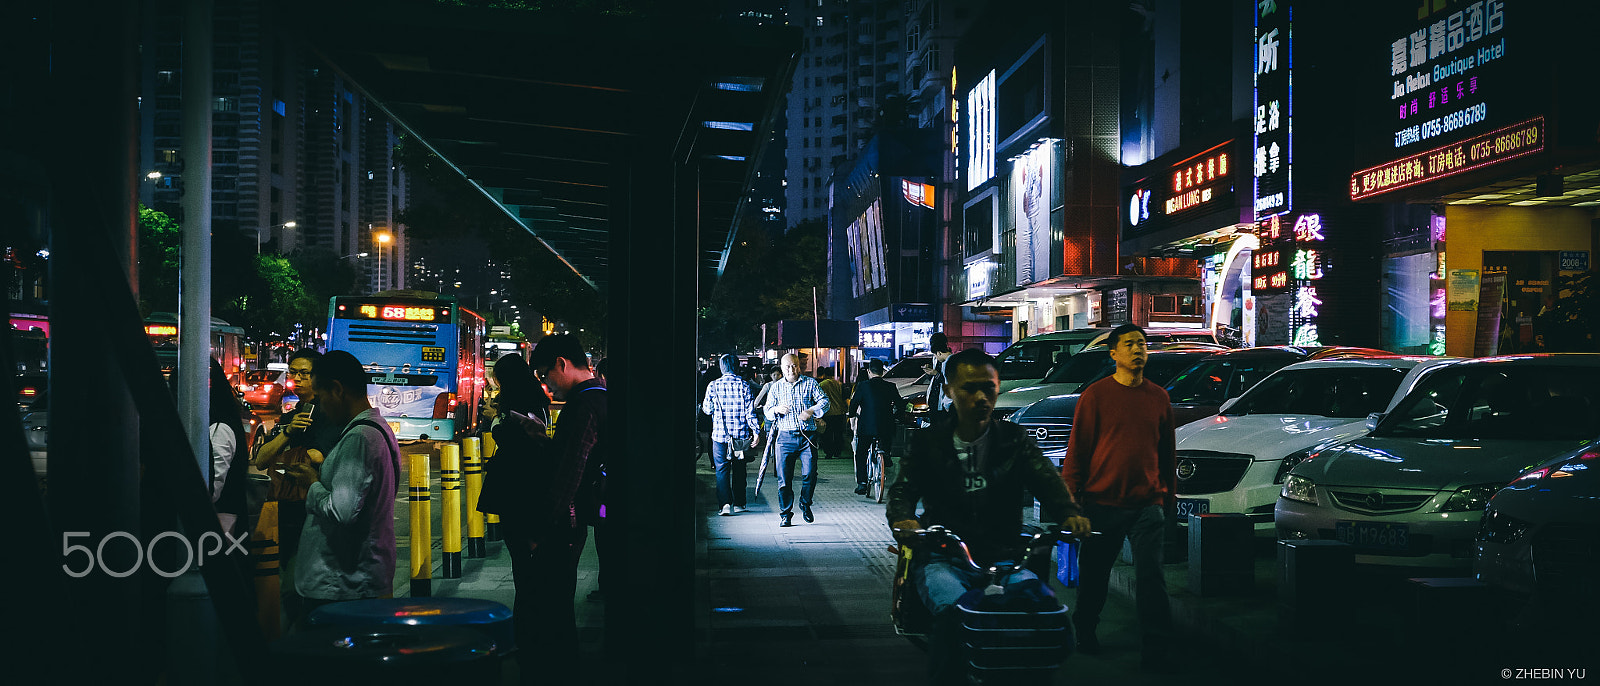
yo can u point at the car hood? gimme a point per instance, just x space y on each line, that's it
1432 464
1056 408
1023 395
1267 436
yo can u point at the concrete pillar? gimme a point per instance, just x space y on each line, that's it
1221 554
1313 578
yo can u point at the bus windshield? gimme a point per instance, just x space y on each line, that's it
424 355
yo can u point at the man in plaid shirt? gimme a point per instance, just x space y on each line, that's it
732 419
795 402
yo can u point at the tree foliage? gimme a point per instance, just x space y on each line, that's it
769 278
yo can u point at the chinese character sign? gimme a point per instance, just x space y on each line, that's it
1272 127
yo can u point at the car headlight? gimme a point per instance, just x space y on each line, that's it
1300 488
1471 498
1293 459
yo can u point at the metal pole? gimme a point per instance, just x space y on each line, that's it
816 332
194 274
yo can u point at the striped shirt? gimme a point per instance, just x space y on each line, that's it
803 394
731 408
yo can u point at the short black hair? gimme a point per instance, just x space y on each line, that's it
563 345
729 364
875 367
1119 332
973 357
939 343
306 354
340 366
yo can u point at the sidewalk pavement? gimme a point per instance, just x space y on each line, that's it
809 604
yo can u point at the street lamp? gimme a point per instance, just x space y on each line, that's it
383 238
287 225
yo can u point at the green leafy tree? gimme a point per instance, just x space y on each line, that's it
767 279
159 239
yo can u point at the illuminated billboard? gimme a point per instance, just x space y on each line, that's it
865 239
1030 210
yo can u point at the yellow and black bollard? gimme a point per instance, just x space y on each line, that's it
421 528
474 477
264 547
492 521
450 518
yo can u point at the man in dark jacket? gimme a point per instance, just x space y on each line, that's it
969 472
875 404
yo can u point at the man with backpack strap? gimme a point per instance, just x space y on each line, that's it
347 549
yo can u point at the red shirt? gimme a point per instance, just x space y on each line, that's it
1122 451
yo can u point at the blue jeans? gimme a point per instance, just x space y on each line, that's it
940 583
730 474
1145 529
792 446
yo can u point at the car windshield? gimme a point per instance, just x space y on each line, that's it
1544 402
1344 392
1082 368
262 376
1159 369
909 368
1213 382
1032 360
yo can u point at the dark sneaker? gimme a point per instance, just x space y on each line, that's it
805 511
861 489
786 517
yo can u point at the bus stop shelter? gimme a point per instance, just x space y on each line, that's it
651 115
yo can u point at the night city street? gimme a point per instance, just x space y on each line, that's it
879 342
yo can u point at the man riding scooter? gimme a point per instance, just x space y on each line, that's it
969 472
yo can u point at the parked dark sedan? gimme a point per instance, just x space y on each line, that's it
1539 542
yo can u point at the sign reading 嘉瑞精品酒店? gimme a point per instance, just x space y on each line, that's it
1273 133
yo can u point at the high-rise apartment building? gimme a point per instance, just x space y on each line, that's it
299 159
849 67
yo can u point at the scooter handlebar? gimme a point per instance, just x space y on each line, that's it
944 537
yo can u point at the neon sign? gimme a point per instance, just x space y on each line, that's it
919 194
1479 151
1273 130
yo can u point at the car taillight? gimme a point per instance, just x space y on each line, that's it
29 391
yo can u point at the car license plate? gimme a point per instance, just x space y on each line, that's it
1379 535
394 426
1192 506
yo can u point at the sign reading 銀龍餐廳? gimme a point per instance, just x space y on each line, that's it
1273 132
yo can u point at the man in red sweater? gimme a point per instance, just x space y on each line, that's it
1121 465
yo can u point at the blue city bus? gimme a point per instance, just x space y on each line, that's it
425 355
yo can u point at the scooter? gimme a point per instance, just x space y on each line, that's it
1009 634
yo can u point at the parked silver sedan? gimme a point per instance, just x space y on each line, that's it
1412 492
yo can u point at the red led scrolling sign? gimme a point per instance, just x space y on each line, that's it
1494 147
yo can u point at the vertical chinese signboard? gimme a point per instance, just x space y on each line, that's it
1273 135
1288 271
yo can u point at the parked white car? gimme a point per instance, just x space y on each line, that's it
1412 492
1236 461
1087 366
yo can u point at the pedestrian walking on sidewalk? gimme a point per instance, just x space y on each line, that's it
562 508
969 473
733 426
347 547
794 403
1121 464
938 401
875 405
835 433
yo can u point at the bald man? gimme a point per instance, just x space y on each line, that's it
794 402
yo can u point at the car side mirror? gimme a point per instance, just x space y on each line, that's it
1373 420
1227 405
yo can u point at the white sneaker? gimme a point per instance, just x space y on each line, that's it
726 510
738 508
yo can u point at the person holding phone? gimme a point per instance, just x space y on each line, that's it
299 437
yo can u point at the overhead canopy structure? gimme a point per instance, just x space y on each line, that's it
543 110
